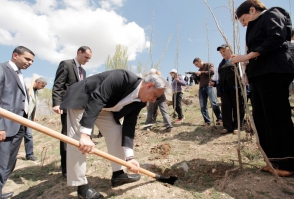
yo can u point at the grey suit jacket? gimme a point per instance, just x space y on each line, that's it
12 96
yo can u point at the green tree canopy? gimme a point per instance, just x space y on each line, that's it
119 59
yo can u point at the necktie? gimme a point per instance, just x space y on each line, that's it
26 104
81 73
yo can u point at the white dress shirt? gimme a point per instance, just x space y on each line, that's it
18 71
132 97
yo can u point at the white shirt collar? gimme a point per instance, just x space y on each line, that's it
15 68
135 93
77 63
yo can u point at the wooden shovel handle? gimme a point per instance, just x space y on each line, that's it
38 127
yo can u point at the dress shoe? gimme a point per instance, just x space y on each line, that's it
7 195
224 131
64 175
32 158
124 179
91 194
219 122
167 130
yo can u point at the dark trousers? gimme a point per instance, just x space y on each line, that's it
62 144
29 142
177 101
272 117
229 109
8 151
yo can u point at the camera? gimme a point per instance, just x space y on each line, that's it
194 77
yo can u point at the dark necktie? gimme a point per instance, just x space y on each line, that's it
81 73
26 104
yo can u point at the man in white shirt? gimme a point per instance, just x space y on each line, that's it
14 98
102 100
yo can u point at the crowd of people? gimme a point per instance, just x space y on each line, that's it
103 99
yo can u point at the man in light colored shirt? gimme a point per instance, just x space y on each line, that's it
14 98
102 100
39 84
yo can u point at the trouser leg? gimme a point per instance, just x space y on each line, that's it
112 132
227 110
76 161
203 104
272 117
163 109
62 144
5 156
29 143
213 101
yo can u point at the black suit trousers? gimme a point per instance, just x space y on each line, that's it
62 144
8 152
229 109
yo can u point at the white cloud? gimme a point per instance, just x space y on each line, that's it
54 30
111 4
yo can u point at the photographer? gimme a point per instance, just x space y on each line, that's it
205 74
193 78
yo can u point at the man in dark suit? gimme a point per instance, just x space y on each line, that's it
68 72
14 98
102 100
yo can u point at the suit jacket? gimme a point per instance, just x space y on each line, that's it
106 90
12 97
33 104
66 75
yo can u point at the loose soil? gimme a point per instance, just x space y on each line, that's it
199 156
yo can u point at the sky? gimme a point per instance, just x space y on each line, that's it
180 30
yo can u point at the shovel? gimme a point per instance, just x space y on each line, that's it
25 122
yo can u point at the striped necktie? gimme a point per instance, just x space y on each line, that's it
81 73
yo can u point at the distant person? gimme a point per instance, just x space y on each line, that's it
191 80
102 100
226 79
291 45
177 83
270 70
153 106
68 72
39 84
216 81
205 74
186 79
14 98
167 79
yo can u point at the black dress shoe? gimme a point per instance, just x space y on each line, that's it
124 179
7 195
91 194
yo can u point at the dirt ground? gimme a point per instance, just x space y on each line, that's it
199 156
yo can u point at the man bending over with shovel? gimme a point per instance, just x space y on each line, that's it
101 100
